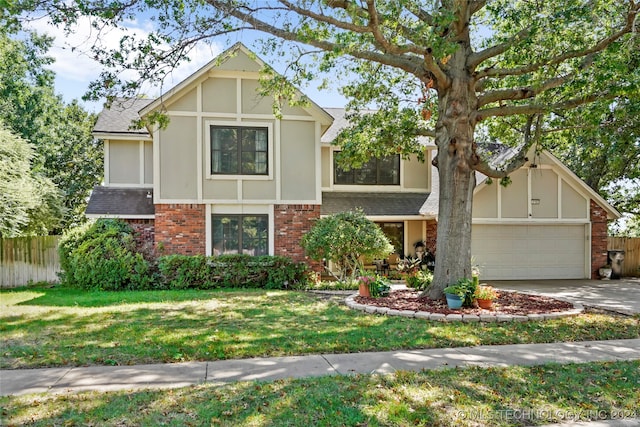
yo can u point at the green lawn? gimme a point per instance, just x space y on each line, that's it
65 327
512 396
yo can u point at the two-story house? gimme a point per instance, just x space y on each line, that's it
228 176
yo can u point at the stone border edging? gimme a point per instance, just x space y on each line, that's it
469 318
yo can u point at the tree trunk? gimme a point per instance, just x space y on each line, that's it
455 159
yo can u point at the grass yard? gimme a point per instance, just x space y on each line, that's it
46 327
512 396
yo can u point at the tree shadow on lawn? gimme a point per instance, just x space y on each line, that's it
452 397
71 297
243 324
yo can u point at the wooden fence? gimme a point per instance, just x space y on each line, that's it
631 248
28 259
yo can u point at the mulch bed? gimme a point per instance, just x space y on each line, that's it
506 303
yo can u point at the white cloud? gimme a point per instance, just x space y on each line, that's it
75 63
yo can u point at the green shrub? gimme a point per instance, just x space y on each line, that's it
102 256
419 279
185 272
232 271
345 238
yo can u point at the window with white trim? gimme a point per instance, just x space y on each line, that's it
239 150
240 234
382 171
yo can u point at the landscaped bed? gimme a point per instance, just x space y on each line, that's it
515 303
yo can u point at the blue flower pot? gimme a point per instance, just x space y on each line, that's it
453 301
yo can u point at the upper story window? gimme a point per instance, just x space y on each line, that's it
382 171
237 150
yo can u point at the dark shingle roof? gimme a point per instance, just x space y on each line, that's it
373 203
118 118
340 122
120 201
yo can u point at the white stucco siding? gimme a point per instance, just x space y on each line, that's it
298 160
124 162
178 157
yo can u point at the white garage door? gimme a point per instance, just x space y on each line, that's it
514 252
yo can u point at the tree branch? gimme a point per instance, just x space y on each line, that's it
477 58
442 80
326 19
374 25
518 159
421 14
599 46
521 93
476 5
539 109
408 63
426 132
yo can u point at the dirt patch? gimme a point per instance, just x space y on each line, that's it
506 303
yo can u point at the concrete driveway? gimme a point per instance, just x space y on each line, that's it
622 296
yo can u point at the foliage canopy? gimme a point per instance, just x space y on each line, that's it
457 71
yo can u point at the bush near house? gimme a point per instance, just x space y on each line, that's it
103 256
232 271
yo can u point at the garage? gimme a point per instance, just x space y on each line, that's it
515 252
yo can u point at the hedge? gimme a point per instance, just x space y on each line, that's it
232 271
104 256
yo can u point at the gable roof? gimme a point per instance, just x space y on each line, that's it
118 117
500 153
313 108
612 213
341 122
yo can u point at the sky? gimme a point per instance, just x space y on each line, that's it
75 68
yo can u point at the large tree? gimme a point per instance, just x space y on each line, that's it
30 204
454 70
60 133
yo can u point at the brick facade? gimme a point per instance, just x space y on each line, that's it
291 222
432 235
180 229
599 234
144 231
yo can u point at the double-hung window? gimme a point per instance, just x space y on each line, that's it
238 150
382 171
240 234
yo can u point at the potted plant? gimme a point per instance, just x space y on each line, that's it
454 295
485 295
463 290
372 286
363 286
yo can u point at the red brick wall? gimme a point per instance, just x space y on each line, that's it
598 238
180 229
291 222
432 235
144 231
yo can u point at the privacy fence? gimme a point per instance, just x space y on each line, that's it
631 248
28 259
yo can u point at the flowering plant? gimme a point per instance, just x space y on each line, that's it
376 284
485 292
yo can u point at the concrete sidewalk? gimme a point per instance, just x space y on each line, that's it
109 378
